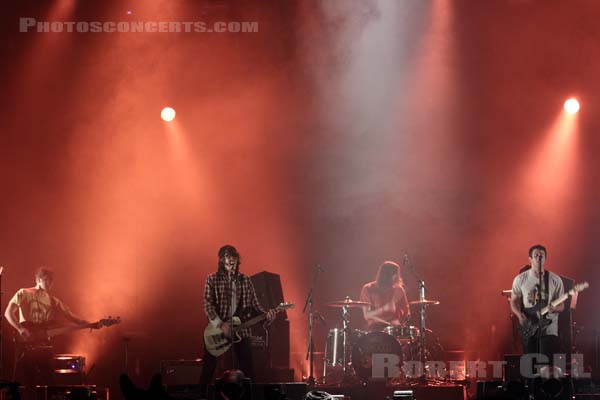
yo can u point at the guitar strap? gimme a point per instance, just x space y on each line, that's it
546 289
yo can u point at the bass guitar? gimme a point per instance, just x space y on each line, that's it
538 320
41 334
215 341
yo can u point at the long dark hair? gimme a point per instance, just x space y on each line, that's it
228 250
385 275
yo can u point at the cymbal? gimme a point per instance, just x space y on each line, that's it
347 303
424 302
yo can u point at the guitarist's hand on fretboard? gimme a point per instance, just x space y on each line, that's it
557 309
271 314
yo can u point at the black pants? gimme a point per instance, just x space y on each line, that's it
33 367
550 345
243 356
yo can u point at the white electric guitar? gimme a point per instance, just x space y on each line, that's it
215 341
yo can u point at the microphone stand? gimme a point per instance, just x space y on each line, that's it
540 279
310 380
532 388
232 279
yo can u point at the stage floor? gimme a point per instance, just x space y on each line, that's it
382 390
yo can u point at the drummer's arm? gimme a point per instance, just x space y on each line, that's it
405 307
370 316
377 312
373 314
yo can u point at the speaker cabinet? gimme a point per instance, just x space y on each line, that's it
270 294
180 372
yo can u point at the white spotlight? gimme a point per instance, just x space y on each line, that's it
167 114
571 106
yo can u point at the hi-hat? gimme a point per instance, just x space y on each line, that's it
347 303
424 303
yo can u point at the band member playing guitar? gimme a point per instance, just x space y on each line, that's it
29 309
229 293
525 303
386 294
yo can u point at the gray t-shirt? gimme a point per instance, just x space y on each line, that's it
525 286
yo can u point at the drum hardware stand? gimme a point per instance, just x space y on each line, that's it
310 380
345 327
422 317
423 329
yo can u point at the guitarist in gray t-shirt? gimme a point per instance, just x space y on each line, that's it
527 306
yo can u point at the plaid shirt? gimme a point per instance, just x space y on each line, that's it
217 298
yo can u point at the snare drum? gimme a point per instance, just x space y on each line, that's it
402 332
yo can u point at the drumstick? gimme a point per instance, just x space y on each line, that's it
381 320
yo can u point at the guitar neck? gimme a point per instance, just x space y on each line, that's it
59 331
250 322
558 301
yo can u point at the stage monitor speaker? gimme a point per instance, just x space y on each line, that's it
188 392
279 391
71 392
403 395
490 390
180 372
221 389
68 369
518 390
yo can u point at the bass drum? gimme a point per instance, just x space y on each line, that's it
373 343
433 348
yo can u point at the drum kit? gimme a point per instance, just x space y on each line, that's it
348 351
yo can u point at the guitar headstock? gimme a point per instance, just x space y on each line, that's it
581 286
106 322
284 306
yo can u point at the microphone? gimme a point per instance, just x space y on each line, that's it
320 268
405 259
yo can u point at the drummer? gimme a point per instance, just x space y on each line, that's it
389 306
